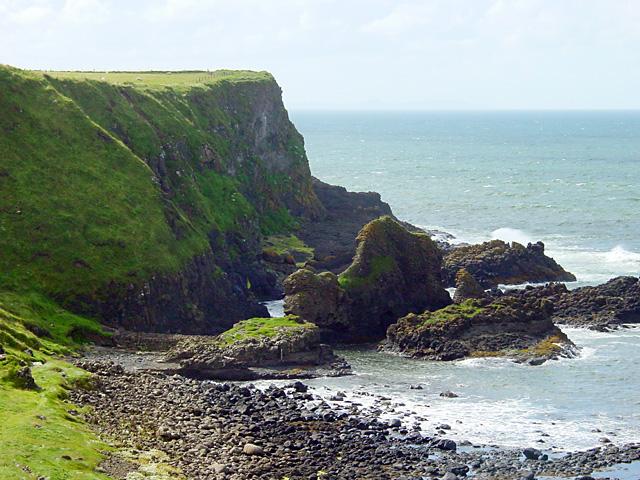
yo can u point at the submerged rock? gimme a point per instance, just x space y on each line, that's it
517 325
497 262
394 272
285 347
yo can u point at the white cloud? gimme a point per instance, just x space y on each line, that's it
85 11
400 19
30 15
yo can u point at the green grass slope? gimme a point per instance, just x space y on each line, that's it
77 207
40 433
114 178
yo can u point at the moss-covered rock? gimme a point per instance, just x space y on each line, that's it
393 272
258 348
497 262
467 287
516 325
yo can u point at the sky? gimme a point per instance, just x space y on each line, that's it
354 54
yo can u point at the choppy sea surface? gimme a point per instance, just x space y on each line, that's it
570 179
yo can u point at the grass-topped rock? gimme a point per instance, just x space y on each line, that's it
393 272
516 325
497 262
284 347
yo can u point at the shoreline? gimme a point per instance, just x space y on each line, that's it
204 427
299 425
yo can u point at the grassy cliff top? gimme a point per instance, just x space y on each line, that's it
163 79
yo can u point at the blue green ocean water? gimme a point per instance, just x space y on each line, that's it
570 179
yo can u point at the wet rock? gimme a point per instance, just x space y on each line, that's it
532 453
610 304
449 394
518 325
497 262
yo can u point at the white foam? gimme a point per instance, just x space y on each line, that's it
508 234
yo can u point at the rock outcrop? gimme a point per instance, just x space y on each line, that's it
518 325
497 262
394 272
259 348
608 305
467 287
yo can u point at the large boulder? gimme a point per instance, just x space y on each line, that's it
316 298
467 287
610 304
394 272
517 325
497 262
285 347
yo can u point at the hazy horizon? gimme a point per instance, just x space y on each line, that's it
489 55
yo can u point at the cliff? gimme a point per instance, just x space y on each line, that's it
142 198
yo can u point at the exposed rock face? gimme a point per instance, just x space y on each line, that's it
333 235
394 272
495 262
610 304
517 325
252 349
315 297
200 299
467 287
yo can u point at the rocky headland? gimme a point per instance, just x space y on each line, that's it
167 209
601 307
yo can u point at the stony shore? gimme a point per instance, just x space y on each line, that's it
236 431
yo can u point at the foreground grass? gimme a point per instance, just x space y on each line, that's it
41 435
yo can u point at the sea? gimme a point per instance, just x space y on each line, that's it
568 179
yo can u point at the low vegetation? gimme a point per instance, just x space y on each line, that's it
263 327
42 435
349 279
283 245
464 310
